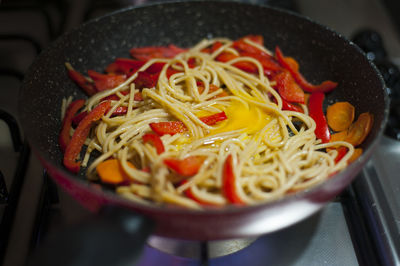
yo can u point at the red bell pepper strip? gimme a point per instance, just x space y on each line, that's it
341 153
150 52
213 119
188 166
64 137
229 182
82 81
155 68
325 86
242 65
106 81
171 71
145 80
78 118
155 140
255 38
216 46
138 96
191 62
288 88
81 132
291 107
169 127
173 127
120 110
268 62
241 46
315 110
113 97
125 66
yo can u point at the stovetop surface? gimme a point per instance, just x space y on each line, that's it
328 238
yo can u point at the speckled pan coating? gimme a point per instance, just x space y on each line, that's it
322 54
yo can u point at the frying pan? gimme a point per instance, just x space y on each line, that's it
322 54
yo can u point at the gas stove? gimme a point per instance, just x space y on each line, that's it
360 227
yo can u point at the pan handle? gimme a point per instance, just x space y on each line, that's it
115 237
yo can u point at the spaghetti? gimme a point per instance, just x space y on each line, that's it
209 132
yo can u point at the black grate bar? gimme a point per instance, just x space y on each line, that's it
34 8
24 38
48 197
14 130
366 251
204 256
11 72
13 199
3 190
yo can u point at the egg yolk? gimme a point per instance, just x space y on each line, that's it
250 119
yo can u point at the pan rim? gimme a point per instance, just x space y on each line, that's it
230 208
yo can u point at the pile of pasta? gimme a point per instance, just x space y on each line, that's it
223 122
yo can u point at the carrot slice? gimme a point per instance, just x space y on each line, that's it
111 172
339 136
340 115
360 129
357 153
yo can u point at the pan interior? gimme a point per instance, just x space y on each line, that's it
322 54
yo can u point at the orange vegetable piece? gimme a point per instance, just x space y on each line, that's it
360 129
111 172
340 115
339 136
357 153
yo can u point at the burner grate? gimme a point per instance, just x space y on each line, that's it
11 199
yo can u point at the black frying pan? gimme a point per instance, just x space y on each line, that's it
322 54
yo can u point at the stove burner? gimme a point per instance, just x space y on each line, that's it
195 249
